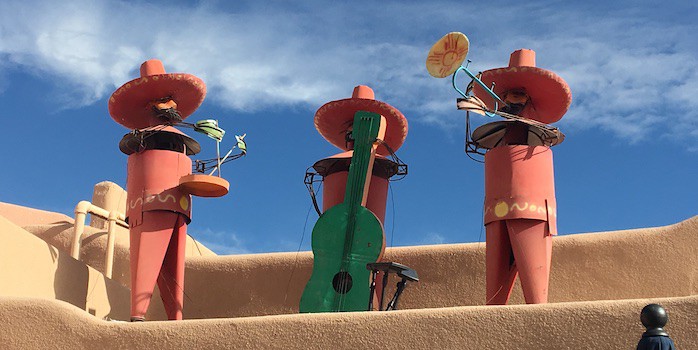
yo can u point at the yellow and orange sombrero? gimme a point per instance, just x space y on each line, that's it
334 119
550 96
131 105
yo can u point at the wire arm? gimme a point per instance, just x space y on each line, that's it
202 165
401 166
309 182
471 147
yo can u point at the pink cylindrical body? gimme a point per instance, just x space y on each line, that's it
520 184
335 183
334 187
152 184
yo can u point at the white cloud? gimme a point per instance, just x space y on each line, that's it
631 73
432 238
221 242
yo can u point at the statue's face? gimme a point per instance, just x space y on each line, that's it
348 137
164 103
516 100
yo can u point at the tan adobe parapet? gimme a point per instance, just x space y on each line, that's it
94 244
30 267
630 264
110 197
24 216
41 324
598 266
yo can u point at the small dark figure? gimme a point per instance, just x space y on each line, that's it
654 318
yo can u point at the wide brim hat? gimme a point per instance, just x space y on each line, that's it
335 118
382 166
134 142
492 134
131 105
550 96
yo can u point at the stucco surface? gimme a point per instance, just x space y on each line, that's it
44 324
630 264
23 216
110 197
599 284
94 243
58 231
30 267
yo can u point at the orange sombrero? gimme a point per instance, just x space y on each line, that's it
335 118
131 105
550 96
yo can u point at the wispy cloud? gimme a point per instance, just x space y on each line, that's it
432 238
631 91
221 242
631 73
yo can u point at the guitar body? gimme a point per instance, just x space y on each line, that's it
337 285
348 236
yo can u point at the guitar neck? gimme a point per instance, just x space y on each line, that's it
368 128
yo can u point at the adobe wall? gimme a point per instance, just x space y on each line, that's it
94 243
29 267
44 324
642 263
58 231
23 216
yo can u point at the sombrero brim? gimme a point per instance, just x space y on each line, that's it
334 118
382 167
130 104
131 143
550 95
490 135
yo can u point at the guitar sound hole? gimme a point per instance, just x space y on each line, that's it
342 282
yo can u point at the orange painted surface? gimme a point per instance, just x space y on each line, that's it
518 246
158 209
131 104
153 184
550 95
520 219
335 182
520 212
334 185
157 255
520 184
202 185
334 119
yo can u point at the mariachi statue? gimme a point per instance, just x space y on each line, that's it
160 182
520 210
334 122
349 233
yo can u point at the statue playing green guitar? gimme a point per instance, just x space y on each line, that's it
348 236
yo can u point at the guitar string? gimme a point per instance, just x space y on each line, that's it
348 236
343 283
372 147
344 275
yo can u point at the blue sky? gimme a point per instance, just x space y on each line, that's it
629 159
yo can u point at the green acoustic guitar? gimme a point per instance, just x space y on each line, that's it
347 236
